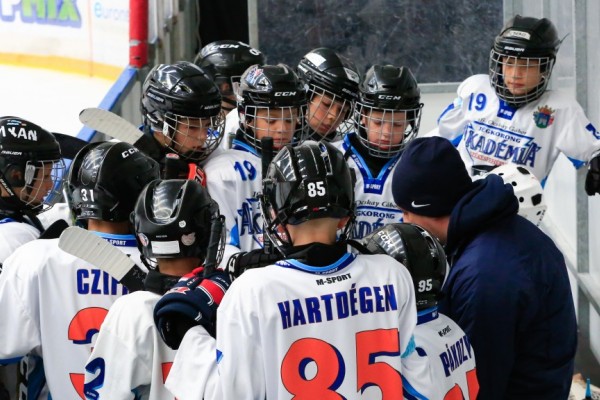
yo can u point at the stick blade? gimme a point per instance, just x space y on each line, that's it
110 124
100 253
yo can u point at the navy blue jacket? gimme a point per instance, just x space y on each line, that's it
508 289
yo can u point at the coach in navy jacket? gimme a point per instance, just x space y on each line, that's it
508 287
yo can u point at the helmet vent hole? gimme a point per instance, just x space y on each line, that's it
536 199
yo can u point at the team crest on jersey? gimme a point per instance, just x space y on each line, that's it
543 117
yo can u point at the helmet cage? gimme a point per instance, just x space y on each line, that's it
329 107
182 133
31 186
365 122
497 63
286 126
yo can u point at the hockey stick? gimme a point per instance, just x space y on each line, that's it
266 153
69 145
217 235
100 253
110 124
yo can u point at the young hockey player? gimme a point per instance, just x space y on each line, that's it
511 117
451 358
181 107
386 117
278 326
332 81
508 286
53 302
271 103
173 221
31 175
225 61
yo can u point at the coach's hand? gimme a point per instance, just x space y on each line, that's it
592 179
192 301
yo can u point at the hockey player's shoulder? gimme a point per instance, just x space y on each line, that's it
230 164
473 84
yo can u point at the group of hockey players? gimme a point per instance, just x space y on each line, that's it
301 239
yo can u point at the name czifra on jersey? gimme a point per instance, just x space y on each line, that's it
339 305
96 281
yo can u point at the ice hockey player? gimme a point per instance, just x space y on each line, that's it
332 81
510 116
386 117
182 119
59 300
274 318
173 221
451 357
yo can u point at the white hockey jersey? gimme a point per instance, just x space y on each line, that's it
489 132
292 330
130 360
234 181
52 305
375 205
194 375
14 234
451 360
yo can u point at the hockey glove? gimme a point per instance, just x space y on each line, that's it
192 301
592 179
242 261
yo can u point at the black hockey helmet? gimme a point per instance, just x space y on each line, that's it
526 38
330 74
172 94
106 178
267 88
394 92
419 252
31 167
227 59
324 69
309 181
173 219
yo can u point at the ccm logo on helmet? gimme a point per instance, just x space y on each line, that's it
280 94
389 97
19 132
129 152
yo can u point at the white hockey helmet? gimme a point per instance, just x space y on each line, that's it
527 188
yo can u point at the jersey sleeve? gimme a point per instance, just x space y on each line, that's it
19 301
238 346
116 369
578 138
193 375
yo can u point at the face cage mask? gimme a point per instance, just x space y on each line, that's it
198 148
498 82
281 126
275 226
330 118
43 184
405 121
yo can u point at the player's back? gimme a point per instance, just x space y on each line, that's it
340 317
129 329
60 301
451 357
